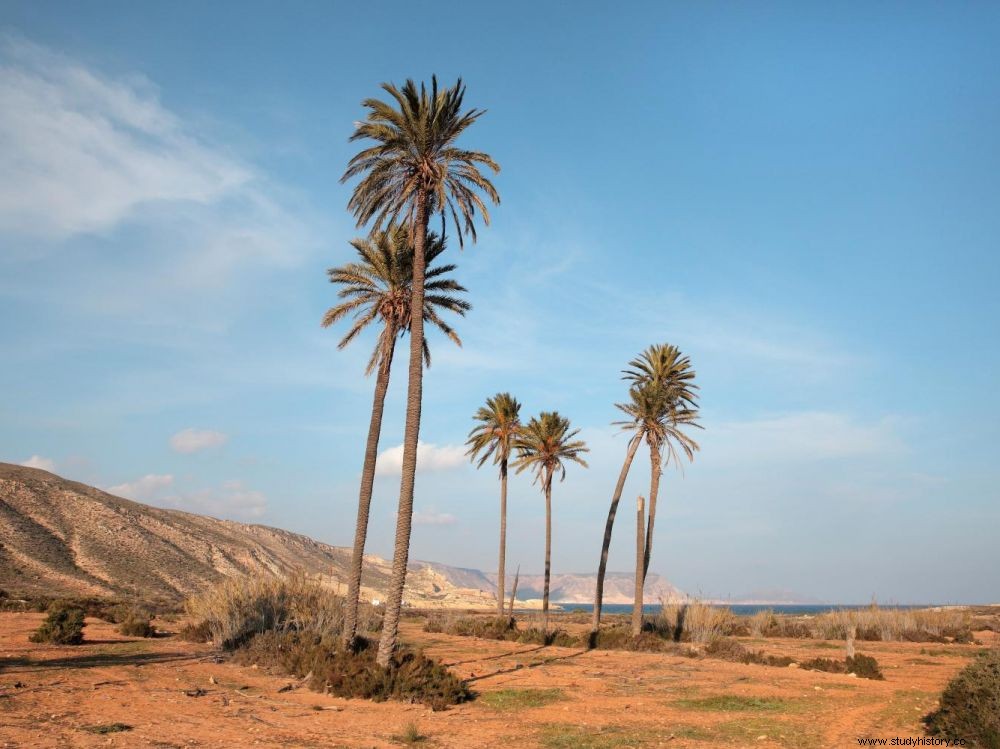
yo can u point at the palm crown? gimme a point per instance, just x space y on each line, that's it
662 399
378 287
415 158
499 423
545 443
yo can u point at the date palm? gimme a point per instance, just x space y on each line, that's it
413 170
544 445
661 400
499 423
376 289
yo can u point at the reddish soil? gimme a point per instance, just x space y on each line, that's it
175 694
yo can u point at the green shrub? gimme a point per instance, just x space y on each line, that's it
557 637
864 666
970 705
136 623
63 626
411 676
830 665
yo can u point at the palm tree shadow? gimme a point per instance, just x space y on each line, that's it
93 660
495 657
543 662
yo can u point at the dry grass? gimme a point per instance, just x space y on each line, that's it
239 607
694 621
895 625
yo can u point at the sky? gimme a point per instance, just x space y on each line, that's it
804 197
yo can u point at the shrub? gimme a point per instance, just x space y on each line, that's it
864 666
63 626
694 621
557 637
488 628
896 624
970 705
411 677
136 623
830 665
727 649
237 608
200 632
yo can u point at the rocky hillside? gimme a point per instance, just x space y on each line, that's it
60 537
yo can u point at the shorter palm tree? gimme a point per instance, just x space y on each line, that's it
499 423
377 287
544 445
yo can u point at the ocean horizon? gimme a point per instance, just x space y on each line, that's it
746 609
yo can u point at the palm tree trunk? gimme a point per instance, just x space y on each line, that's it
548 551
503 537
654 490
414 396
602 568
640 555
365 495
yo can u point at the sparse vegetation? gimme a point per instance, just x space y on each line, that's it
108 728
238 608
515 700
411 735
970 704
332 668
895 624
136 622
730 703
694 621
63 626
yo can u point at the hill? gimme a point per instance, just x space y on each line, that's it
63 538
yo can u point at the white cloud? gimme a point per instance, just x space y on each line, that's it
193 440
37 461
430 457
431 517
142 489
231 499
82 152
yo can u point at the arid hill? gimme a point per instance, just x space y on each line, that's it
60 537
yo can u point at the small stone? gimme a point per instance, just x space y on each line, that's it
762 738
211 680
793 665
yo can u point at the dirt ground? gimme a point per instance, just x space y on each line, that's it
174 694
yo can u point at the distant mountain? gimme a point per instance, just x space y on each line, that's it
61 537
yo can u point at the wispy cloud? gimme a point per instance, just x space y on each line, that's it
430 516
194 440
37 461
430 457
230 499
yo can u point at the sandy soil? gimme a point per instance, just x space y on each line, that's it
174 694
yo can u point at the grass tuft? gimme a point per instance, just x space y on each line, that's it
515 700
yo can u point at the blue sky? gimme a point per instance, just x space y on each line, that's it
805 198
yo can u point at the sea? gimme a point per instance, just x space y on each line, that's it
740 609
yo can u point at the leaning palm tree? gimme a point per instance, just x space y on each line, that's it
412 171
659 376
499 422
377 287
655 414
543 445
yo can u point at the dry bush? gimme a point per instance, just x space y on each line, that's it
488 628
557 637
727 649
761 623
63 626
239 607
136 622
830 665
694 621
200 632
970 704
330 668
895 625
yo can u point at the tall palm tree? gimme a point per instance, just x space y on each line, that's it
499 423
377 287
660 377
412 171
544 445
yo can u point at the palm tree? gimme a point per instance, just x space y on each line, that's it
660 378
414 170
543 445
377 287
499 423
